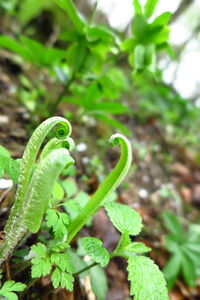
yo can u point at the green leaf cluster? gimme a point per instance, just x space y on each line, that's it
8 289
148 37
147 281
184 247
45 260
32 51
58 221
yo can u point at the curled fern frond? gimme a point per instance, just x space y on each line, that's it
56 143
62 131
111 182
41 187
35 186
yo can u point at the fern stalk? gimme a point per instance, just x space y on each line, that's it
111 182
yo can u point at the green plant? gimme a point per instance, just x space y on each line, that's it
8 289
148 37
8 165
184 245
88 64
32 201
31 192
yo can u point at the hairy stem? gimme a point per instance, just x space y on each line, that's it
28 159
34 190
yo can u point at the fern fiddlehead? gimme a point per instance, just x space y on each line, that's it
111 182
34 192
28 159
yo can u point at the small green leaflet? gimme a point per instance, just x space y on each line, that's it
137 247
128 249
9 287
124 218
41 263
94 249
58 221
9 165
63 279
147 281
63 261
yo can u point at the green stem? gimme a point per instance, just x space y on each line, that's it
107 187
86 268
54 106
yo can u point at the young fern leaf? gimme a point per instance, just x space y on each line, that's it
36 199
107 187
33 195
56 143
28 159
41 187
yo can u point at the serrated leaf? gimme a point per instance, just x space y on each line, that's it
147 281
62 260
137 247
40 267
124 218
58 221
39 250
41 264
94 249
99 282
13 286
66 281
55 277
8 295
62 279
51 217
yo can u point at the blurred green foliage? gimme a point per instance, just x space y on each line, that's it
90 61
184 246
